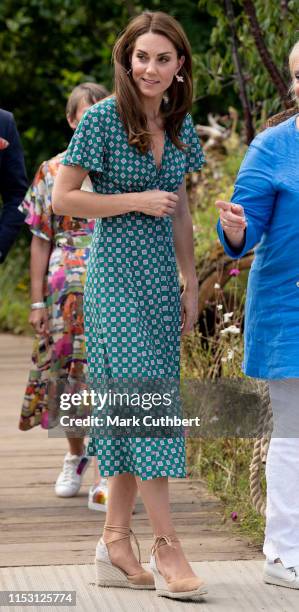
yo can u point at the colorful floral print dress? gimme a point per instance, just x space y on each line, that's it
60 357
132 297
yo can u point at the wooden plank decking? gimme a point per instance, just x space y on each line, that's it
37 528
234 586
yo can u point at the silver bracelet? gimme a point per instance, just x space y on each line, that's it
38 305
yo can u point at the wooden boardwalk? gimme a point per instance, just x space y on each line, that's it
39 528
234 586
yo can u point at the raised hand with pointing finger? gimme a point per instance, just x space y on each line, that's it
233 221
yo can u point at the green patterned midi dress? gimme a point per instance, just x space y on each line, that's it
132 296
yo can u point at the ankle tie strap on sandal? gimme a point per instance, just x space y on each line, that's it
162 540
125 532
185 588
109 574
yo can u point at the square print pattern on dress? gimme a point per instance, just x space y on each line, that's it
132 295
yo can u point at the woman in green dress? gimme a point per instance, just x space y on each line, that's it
137 147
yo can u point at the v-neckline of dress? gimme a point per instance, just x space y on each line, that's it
158 168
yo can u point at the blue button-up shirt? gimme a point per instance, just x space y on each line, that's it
267 187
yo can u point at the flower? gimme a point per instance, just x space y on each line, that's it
216 286
227 316
232 329
234 516
229 356
234 272
219 306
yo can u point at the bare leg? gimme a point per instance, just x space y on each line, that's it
76 445
122 491
97 475
171 561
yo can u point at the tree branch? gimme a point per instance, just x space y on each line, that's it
239 74
275 75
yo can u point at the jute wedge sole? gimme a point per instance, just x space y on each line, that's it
111 576
184 595
184 589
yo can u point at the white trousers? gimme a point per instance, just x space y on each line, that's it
282 474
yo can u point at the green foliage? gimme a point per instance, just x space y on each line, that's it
47 47
14 289
217 181
216 72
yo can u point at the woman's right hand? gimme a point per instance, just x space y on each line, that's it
233 221
39 321
157 203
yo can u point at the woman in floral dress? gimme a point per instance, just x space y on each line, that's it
59 254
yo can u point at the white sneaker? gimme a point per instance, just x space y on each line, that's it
276 573
98 495
69 480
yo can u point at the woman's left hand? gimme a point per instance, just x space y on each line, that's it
189 309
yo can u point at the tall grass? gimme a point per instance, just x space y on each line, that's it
223 462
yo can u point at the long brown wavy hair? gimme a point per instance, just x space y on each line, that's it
127 94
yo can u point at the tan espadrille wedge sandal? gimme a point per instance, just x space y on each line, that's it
184 588
109 575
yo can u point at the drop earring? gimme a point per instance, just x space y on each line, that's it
179 78
129 71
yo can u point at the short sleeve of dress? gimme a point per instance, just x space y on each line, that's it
36 205
194 154
86 148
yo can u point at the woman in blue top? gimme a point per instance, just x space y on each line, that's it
265 210
137 146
